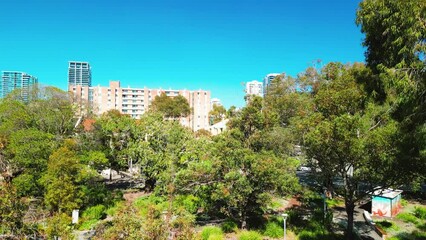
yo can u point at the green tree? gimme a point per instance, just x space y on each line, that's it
217 114
61 180
116 132
52 112
230 177
250 120
12 210
171 107
59 225
395 37
28 151
355 139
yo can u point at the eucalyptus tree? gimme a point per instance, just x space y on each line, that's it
354 138
395 38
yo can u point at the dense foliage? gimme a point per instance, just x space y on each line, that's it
362 124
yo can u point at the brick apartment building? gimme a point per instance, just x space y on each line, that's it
136 101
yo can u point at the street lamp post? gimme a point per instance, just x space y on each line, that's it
285 215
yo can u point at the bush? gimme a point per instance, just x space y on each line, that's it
250 235
314 235
88 224
96 212
407 217
404 202
274 230
229 226
420 212
216 237
189 202
334 202
113 210
210 231
386 225
144 202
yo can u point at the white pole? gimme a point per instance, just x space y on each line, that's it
285 230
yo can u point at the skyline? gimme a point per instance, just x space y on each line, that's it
191 45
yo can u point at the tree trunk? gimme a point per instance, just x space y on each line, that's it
350 206
243 222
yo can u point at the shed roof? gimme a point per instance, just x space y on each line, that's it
387 193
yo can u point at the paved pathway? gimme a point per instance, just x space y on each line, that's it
361 226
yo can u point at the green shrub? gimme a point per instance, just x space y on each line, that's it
95 212
386 225
209 231
404 202
315 235
189 202
144 202
229 226
250 235
274 230
407 217
420 212
88 224
216 237
334 202
419 235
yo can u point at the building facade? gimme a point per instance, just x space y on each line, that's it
136 101
267 81
254 88
79 73
11 80
215 101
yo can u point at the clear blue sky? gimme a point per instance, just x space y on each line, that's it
194 44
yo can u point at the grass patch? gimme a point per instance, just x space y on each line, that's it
113 210
88 224
386 225
143 203
420 212
250 235
211 232
334 202
407 217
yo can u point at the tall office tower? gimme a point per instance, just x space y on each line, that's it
79 73
12 80
267 81
254 88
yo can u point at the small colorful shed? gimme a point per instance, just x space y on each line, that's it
386 203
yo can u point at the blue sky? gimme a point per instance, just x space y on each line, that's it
181 44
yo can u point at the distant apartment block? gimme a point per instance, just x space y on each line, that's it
254 88
136 101
79 73
267 81
215 101
11 80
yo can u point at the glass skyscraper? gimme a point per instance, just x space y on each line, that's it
79 73
11 80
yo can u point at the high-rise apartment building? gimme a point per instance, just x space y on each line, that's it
11 80
136 101
79 73
267 81
254 88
